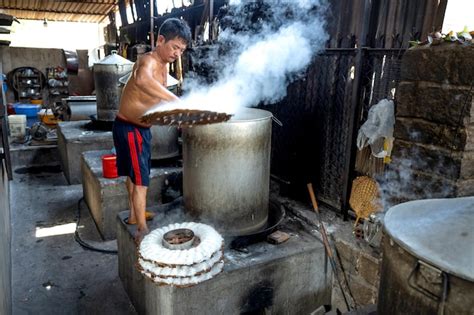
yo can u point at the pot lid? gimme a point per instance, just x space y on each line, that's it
114 59
437 231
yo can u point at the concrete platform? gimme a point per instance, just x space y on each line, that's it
106 197
73 139
290 278
23 155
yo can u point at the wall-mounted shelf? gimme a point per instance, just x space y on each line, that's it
28 83
58 84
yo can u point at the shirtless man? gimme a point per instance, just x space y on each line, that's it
144 90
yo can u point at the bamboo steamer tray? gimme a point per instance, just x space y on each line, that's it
184 117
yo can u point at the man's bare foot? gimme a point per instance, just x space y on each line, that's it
140 234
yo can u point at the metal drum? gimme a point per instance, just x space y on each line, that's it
428 258
107 73
164 142
80 107
226 172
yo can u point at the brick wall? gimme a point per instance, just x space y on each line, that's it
361 267
358 263
433 154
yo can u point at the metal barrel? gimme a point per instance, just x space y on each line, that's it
164 142
226 172
107 73
428 256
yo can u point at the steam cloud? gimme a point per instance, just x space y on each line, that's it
414 176
262 61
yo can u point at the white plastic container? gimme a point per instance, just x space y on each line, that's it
17 125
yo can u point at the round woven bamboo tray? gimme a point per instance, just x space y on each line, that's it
365 197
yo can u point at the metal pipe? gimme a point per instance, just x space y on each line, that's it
279 179
353 50
152 26
211 15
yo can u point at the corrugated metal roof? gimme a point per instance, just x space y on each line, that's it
59 10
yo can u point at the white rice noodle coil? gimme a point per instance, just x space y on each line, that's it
181 267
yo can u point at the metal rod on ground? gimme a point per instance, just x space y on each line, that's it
326 243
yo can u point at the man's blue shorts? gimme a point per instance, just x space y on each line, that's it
132 145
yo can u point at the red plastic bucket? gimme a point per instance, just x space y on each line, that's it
109 166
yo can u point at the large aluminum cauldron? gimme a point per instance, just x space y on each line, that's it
226 172
164 142
107 73
428 258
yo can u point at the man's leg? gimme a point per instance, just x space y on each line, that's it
131 217
139 205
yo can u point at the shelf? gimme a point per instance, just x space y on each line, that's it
24 83
30 85
26 98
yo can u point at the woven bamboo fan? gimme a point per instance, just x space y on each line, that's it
185 117
365 197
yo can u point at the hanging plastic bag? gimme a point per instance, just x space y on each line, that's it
377 131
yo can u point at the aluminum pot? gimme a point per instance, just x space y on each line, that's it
427 265
226 172
164 142
80 107
107 73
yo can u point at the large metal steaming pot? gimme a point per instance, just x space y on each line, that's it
428 258
226 172
107 73
164 142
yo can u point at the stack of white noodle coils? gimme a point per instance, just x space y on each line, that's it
182 267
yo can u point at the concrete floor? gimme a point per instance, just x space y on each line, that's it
54 274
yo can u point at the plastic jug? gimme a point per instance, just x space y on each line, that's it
17 125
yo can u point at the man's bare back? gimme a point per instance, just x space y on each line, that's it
145 88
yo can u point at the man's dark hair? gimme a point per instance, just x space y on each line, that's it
173 27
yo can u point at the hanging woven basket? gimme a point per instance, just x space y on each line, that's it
365 197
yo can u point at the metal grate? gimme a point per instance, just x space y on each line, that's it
318 115
381 75
310 146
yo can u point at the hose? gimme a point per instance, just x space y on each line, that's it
78 239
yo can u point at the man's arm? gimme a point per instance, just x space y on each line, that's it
148 84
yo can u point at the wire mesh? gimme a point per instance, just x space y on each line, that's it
381 75
381 78
312 145
312 142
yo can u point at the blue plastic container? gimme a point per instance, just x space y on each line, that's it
30 110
